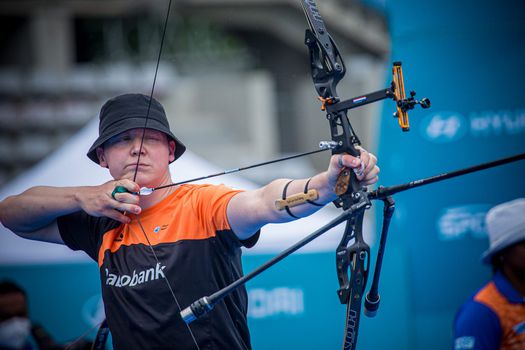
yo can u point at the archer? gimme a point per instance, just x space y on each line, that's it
159 251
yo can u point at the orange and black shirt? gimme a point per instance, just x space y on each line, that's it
197 252
494 318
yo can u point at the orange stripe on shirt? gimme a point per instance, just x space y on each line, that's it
192 212
509 315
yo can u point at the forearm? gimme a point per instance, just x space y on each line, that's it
249 211
37 207
276 191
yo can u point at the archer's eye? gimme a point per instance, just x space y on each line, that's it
118 140
153 138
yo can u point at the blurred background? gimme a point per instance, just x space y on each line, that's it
234 79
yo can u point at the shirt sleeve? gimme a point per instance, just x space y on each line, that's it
476 327
80 231
211 202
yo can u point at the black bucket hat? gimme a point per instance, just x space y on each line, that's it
126 112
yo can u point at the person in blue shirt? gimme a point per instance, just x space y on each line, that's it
494 317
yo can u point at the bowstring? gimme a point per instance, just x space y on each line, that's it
137 168
70 345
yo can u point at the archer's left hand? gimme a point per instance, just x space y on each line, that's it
365 167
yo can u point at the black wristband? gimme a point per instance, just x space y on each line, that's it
284 198
306 191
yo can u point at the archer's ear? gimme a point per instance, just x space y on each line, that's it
171 148
101 157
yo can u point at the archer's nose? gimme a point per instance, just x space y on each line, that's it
136 146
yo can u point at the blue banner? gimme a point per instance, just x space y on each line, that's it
467 57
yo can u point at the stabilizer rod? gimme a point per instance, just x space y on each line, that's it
384 192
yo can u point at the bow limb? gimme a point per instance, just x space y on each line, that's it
327 70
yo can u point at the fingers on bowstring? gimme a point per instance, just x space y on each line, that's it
124 202
128 185
129 196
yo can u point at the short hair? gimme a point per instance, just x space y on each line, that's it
497 259
9 287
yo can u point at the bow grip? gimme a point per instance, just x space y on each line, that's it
347 181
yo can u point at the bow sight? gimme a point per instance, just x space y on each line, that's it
325 81
328 69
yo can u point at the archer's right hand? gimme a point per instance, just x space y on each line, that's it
103 201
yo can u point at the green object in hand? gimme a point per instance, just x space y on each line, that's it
118 189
